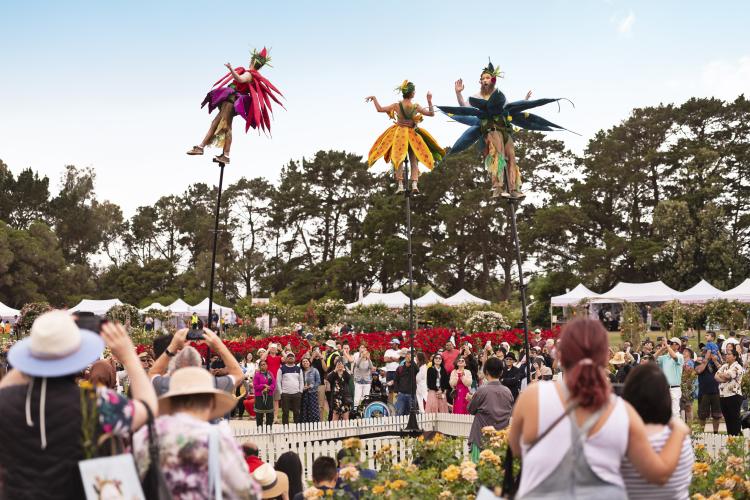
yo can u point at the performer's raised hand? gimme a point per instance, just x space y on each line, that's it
528 95
229 66
429 96
459 85
370 98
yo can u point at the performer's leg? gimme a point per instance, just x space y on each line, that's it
211 131
400 178
414 171
514 174
494 138
228 140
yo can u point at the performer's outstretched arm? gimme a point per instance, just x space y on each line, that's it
378 107
430 111
243 78
459 89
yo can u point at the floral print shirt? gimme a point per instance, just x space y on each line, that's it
115 412
732 387
183 452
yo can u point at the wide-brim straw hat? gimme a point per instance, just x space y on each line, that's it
194 380
273 483
618 358
55 347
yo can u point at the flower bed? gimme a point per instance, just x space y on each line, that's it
438 469
426 340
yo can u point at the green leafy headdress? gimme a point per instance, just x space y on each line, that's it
405 88
260 58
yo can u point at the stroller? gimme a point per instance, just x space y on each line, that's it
374 405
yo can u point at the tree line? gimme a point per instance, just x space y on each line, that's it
662 195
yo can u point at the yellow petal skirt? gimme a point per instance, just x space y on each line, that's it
394 144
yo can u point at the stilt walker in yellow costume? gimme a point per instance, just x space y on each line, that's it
405 137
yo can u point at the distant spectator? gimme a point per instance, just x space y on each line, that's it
324 475
274 484
491 405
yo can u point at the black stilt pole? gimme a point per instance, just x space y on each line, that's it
412 425
521 285
213 256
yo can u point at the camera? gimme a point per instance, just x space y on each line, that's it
195 335
86 320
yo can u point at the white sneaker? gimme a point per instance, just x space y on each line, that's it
400 188
414 187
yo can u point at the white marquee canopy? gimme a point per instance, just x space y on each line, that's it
98 307
463 297
429 299
573 297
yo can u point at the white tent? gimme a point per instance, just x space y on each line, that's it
429 299
202 309
700 293
7 312
155 306
654 291
179 308
98 307
573 297
740 292
464 297
395 299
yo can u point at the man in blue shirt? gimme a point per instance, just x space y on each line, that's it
671 361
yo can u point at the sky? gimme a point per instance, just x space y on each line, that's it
117 85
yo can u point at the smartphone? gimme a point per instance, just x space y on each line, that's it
89 321
195 335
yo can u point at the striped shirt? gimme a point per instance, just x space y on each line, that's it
677 486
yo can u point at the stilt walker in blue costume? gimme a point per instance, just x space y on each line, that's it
491 119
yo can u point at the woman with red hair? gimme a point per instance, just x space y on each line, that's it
573 434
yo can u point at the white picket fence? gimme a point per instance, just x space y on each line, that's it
311 440
314 439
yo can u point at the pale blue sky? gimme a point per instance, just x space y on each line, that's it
118 85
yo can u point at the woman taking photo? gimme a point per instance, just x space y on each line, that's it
341 402
461 381
573 434
729 378
263 387
438 385
310 411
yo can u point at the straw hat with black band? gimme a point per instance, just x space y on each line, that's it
274 483
195 380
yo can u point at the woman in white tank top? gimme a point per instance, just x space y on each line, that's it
581 453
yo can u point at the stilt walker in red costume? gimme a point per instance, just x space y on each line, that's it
243 92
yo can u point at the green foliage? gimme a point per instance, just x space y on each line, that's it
442 315
329 311
245 308
31 312
631 326
730 314
486 321
672 316
377 318
126 314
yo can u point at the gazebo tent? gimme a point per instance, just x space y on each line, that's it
155 306
654 291
702 292
463 297
7 312
393 300
98 307
180 308
740 292
202 308
573 297
429 299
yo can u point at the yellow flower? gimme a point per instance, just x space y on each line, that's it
700 468
411 468
489 456
85 384
378 489
488 430
445 495
398 466
349 473
329 493
312 492
724 494
397 484
726 483
438 438
451 473
698 496
510 119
